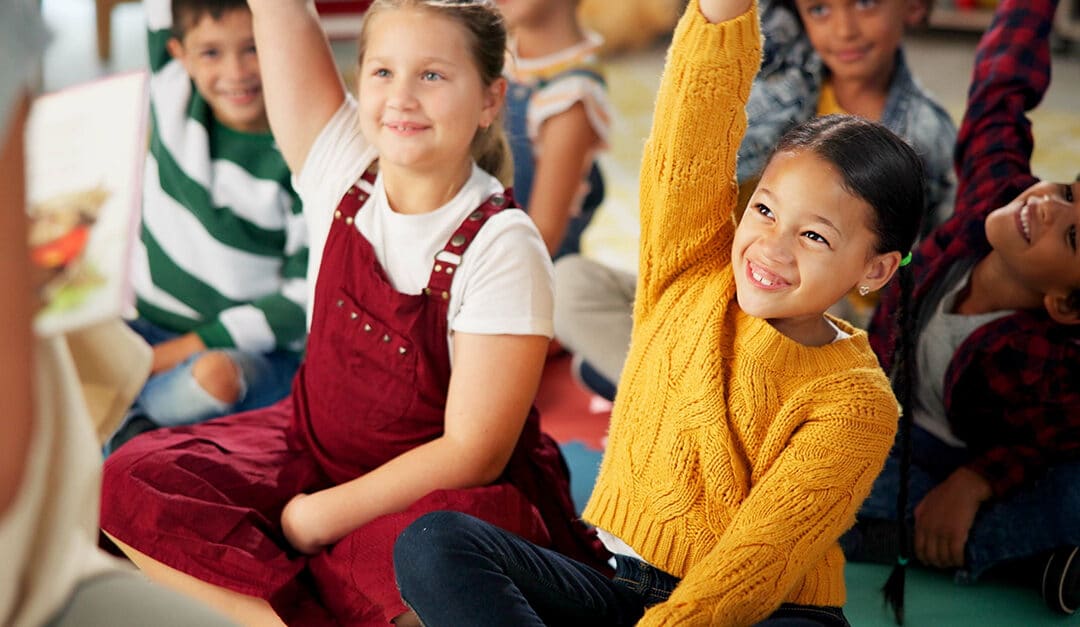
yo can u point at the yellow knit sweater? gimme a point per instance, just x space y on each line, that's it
736 456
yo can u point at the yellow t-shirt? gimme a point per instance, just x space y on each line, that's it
827 103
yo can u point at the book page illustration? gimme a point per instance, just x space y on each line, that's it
85 148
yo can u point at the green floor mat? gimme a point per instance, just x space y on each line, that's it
934 600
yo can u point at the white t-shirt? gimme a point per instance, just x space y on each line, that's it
945 331
504 284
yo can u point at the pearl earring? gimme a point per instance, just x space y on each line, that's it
864 290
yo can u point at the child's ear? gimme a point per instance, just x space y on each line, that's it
1063 306
175 48
918 13
880 269
494 97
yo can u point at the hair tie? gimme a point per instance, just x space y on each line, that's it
906 260
899 558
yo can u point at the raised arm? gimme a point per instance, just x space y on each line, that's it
1012 72
159 30
301 82
688 169
717 11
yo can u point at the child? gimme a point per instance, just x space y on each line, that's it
751 425
294 508
820 57
995 450
220 265
558 117
847 56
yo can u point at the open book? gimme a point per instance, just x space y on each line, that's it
85 154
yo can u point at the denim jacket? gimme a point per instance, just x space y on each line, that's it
786 93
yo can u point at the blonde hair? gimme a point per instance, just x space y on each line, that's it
487 33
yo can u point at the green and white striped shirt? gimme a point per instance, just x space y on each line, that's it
222 250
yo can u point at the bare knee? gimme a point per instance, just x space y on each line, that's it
216 373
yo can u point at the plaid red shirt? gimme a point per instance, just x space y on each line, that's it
1012 389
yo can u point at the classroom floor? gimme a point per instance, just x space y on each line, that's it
942 61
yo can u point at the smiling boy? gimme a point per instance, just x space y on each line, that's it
995 467
219 269
846 56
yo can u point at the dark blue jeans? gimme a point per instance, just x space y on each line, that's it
456 570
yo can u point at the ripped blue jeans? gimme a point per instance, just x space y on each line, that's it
174 398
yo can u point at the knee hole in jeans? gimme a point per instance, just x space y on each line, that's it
216 373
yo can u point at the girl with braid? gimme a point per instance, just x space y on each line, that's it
993 461
749 424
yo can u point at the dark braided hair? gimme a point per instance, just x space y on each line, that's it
904 387
881 168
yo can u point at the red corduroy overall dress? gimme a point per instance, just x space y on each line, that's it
207 499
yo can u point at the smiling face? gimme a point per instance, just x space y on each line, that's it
421 95
858 39
1035 237
219 55
802 244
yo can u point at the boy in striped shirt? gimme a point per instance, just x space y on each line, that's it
219 268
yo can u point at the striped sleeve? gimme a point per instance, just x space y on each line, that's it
159 30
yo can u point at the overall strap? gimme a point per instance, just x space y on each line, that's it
449 258
357 195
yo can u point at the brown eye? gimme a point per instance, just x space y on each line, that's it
1067 192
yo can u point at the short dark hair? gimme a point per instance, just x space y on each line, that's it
187 13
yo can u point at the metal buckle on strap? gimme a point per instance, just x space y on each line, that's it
445 256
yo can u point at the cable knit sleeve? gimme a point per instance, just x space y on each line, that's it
688 186
797 508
